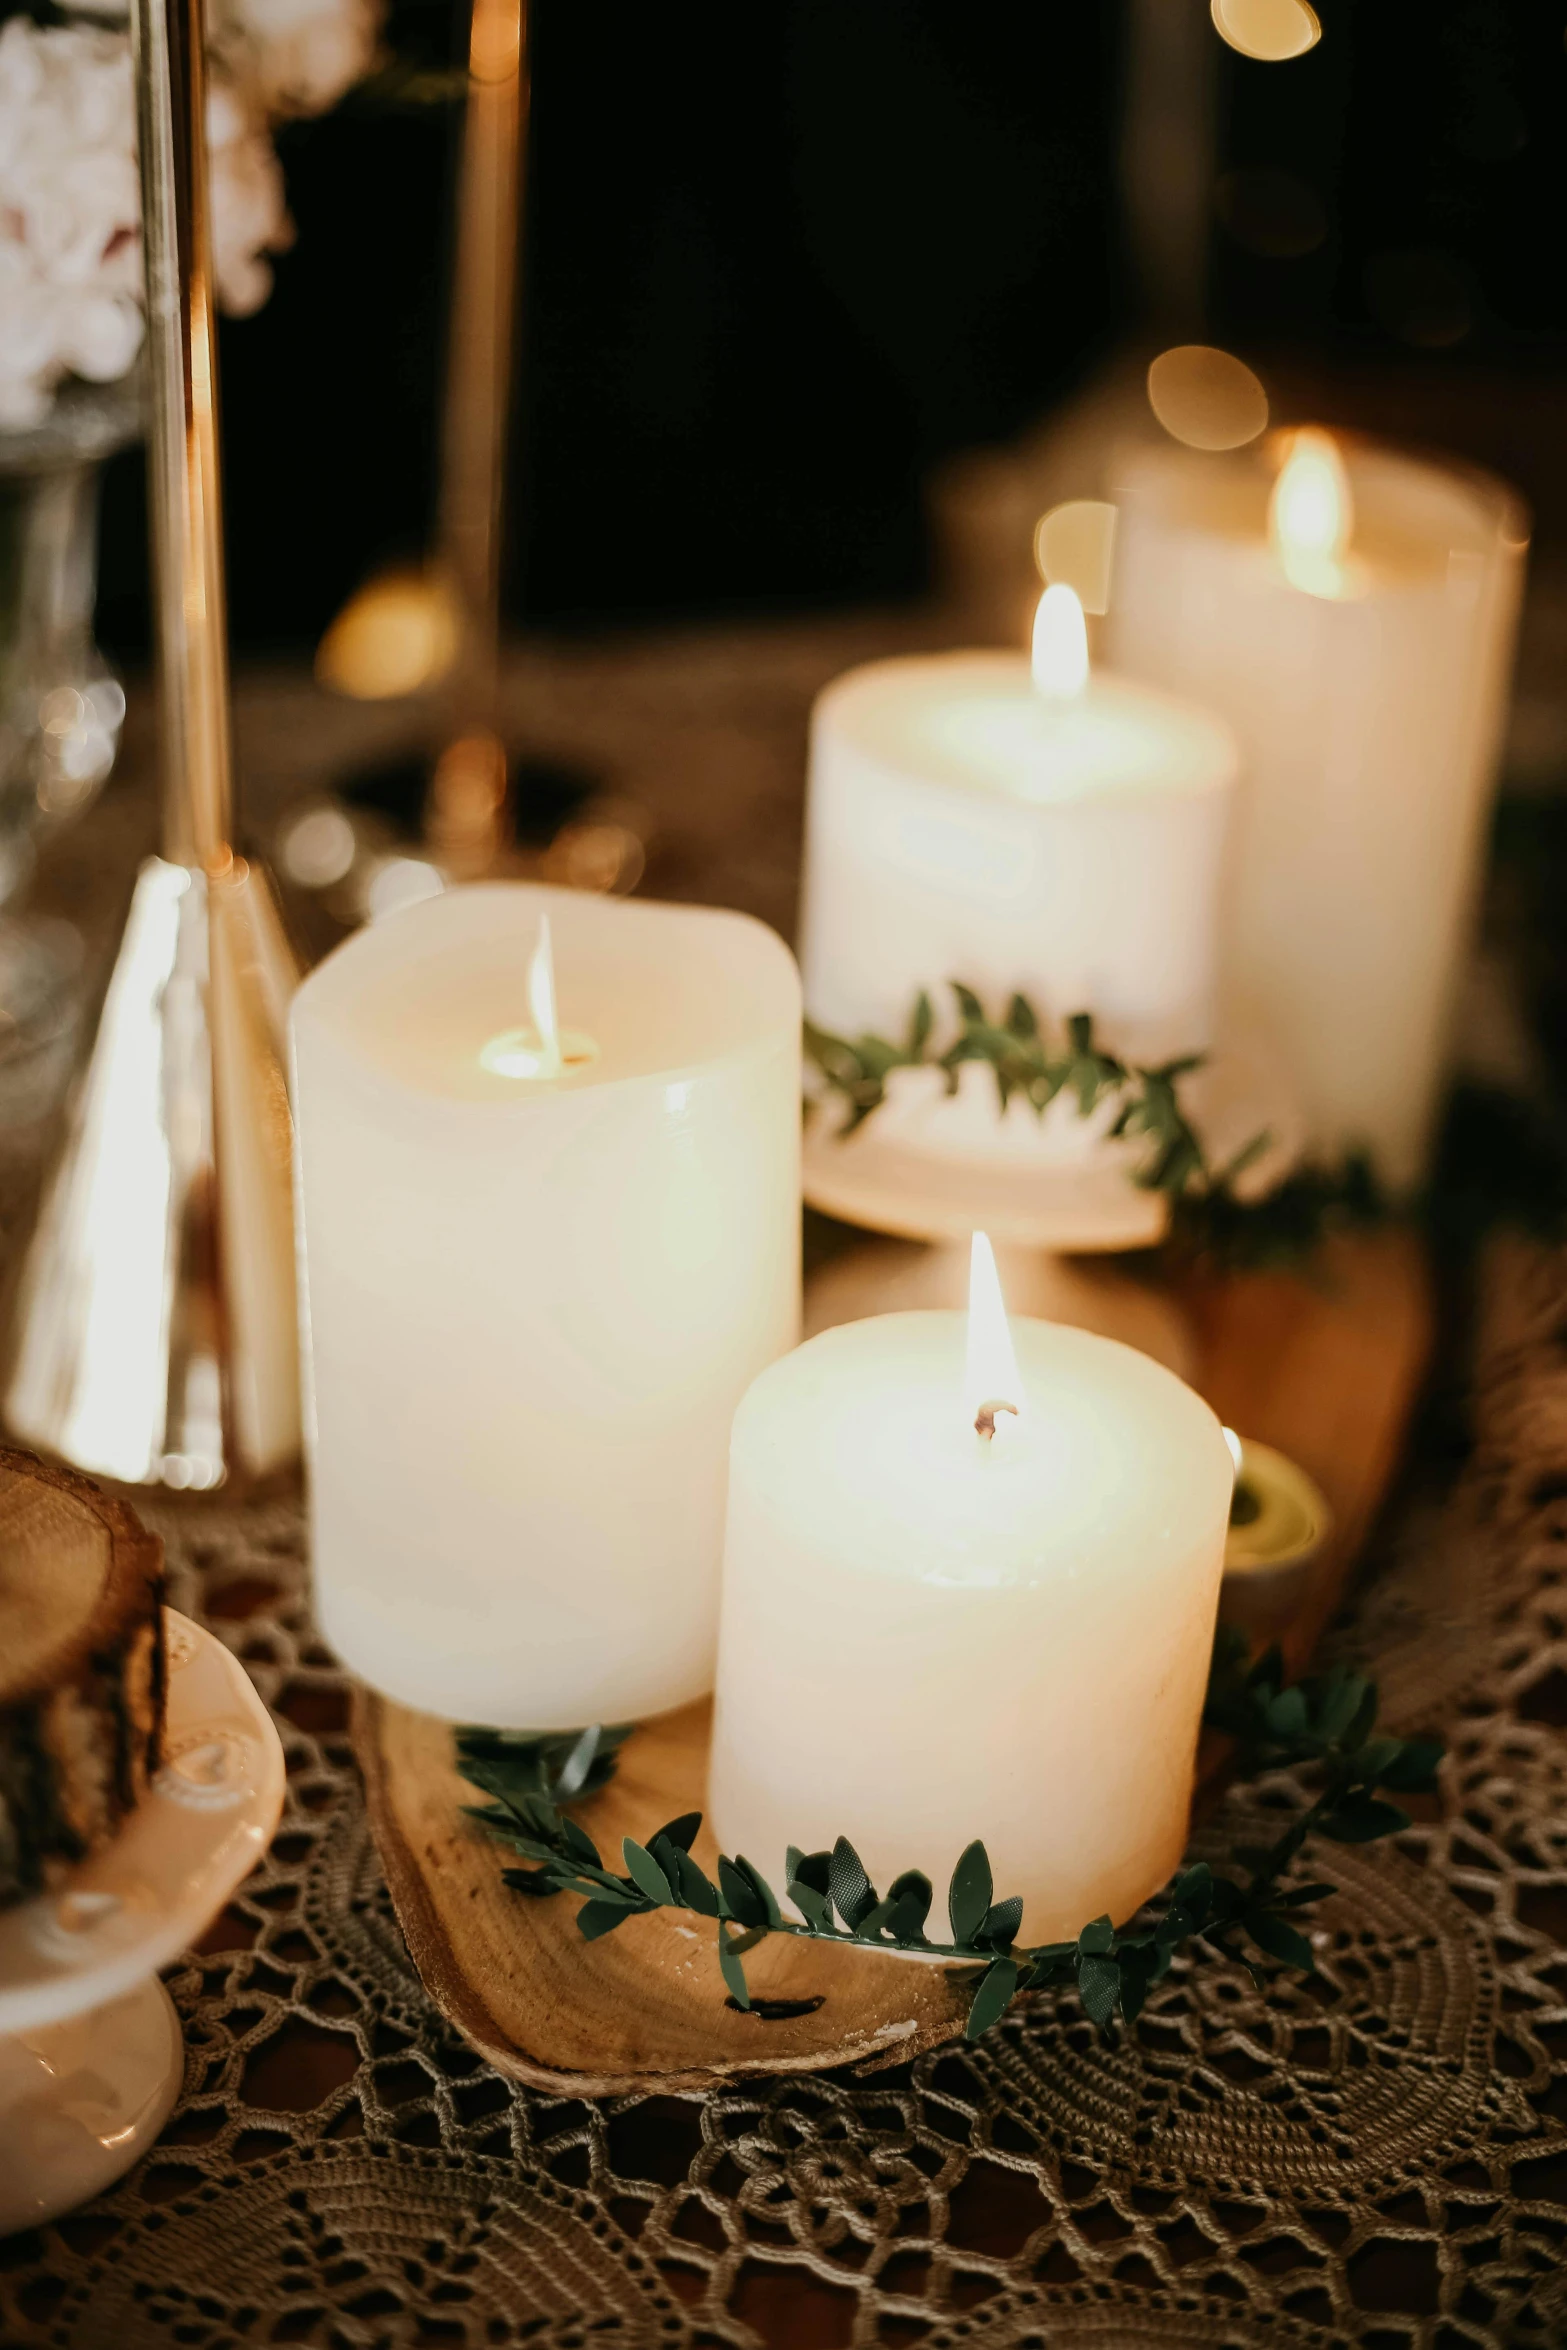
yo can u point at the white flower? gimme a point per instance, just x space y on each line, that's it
70 205
248 214
297 56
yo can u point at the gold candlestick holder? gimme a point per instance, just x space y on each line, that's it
155 1337
466 810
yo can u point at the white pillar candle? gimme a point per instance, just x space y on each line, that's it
536 1280
1360 648
1061 838
929 1635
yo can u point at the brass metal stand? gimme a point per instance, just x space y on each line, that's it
155 1337
465 818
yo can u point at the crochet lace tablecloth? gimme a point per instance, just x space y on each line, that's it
1374 2156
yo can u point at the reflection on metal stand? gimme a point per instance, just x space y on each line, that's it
155 1339
466 815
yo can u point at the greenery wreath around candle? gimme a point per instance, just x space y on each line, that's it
1327 1723
1209 1216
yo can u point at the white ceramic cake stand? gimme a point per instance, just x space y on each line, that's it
1039 1213
91 2057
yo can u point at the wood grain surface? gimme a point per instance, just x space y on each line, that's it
81 1668
1325 1367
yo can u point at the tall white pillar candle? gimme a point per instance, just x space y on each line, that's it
1361 650
929 1635
535 1287
964 825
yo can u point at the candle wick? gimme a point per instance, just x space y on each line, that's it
985 1417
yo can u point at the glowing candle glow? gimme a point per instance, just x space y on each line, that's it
539 1267
929 1636
1352 614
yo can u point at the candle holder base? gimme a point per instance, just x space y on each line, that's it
90 2050
1079 1203
1325 1366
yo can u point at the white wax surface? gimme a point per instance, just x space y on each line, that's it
926 1640
531 1306
962 827
1370 731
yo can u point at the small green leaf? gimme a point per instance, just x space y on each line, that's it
871 1925
970 1893
602 1917
681 1832
1415 1766
695 1888
1099 1986
1192 1899
760 1887
644 1869
733 1971
999 1925
739 1894
814 1907
1364 1720
852 1892
539 1883
1280 1940
994 1996
1097 1936
912 1894
1287 1716
577 1841
810 1868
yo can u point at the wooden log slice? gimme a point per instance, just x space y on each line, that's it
82 1673
1325 1365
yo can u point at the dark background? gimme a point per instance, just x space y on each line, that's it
781 257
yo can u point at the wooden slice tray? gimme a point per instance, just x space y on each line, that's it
1325 1368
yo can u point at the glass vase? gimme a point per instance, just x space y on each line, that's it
60 709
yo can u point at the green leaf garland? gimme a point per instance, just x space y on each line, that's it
1326 1723
1208 1219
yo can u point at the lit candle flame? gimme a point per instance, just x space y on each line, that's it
541 1001
1311 515
991 1382
542 1051
1060 645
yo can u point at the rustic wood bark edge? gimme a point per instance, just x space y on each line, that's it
81 1725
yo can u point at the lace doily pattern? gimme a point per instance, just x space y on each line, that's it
1375 2156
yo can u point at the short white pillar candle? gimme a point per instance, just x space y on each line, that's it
930 1635
1353 618
1022 828
535 1285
